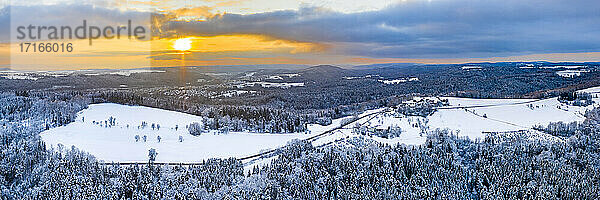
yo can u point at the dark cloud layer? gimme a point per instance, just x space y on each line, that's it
429 29
412 29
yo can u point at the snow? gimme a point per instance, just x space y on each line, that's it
395 81
130 72
275 78
571 73
35 75
474 118
591 90
542 113
467 124
410 135
316 128
258 163
471 68
269 84
233 93
290 75
61 86
531 135
402 80
55 73
280 76
117 143
360 77
217 74
531 66
124 72
18 77
468 102
563 67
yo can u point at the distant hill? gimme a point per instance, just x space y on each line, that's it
245 68
324 69
322 72
384 65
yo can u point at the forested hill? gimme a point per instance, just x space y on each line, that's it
324 72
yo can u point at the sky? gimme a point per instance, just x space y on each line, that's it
311 32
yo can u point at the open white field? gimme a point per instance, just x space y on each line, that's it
470 117
117 143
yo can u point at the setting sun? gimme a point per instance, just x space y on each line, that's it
183 44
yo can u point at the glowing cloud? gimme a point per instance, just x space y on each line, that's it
236 43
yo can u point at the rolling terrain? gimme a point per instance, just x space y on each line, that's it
93 132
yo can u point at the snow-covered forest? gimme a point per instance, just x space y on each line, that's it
447 166
450 133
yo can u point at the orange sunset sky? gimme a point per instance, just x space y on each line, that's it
255 32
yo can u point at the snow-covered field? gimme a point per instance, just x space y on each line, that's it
471 68
397 81
572 73
124 72
35 75
471 117
269 85
504 116
117 143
